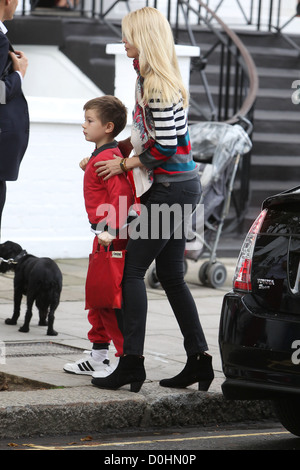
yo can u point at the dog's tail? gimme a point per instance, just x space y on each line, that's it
48 295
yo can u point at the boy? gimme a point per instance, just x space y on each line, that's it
105 118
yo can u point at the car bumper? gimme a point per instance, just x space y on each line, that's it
258 359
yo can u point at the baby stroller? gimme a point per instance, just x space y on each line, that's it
217 147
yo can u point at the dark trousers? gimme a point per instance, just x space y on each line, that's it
2 199
168 251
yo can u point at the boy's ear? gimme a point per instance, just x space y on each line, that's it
109 127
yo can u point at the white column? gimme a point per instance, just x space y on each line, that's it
20 7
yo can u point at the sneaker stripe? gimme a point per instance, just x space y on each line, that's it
85 366
89 366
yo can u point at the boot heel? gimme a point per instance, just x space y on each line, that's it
136 386
204 385
198 369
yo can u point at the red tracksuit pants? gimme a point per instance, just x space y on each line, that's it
105 327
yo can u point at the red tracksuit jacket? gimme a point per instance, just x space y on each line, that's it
107 202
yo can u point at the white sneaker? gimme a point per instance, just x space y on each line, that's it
88 366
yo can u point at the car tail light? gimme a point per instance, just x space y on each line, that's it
242 276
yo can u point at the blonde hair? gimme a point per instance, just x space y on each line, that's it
150 33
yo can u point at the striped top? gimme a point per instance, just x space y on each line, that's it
170 157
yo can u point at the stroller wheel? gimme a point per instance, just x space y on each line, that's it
203 273
212 275
185 266
152 278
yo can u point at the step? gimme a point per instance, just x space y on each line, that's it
263 52
282 121
87 27
261 56
275 99
276 144
269 93
268 77
102 40
91 46
260 190
272 99
250 38
89 55
275 167
283 61
275 77
102 72
268 39
34 31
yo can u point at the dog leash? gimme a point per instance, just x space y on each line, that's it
14 260
8 261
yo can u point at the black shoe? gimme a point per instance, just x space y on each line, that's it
130 370
197 369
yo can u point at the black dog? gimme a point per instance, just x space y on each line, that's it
40 279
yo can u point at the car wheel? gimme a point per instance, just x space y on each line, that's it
288 413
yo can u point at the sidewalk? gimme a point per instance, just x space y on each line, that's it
73 404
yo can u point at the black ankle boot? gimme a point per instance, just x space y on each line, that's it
130 370
197 369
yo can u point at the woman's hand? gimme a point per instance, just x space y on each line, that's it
105 238
109 168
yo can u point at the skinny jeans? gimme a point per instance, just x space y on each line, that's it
162 238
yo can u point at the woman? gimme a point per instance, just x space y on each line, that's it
160 141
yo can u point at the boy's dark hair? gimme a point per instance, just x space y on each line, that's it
109 109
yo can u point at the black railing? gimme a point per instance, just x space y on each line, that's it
264 15
238 80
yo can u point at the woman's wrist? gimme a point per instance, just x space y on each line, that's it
123 165
128 164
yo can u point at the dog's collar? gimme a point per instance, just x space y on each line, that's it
14 260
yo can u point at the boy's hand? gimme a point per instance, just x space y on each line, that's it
84 163
105 238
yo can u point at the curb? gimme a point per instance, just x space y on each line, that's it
88 409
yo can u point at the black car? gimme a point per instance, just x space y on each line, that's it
259 334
